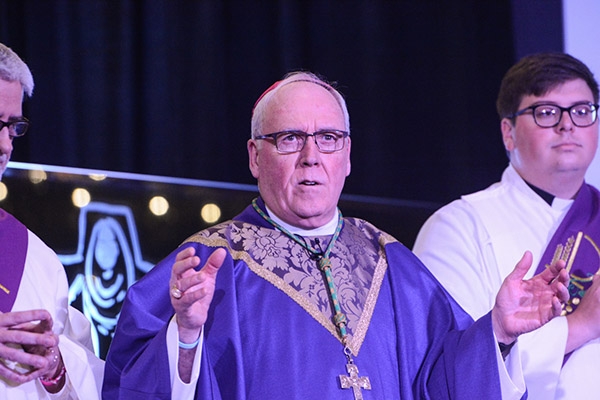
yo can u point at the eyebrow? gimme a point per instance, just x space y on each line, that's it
12 118
553 103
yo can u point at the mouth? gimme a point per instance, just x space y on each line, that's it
567 145
309 183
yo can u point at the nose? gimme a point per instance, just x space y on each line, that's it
565 123
5 141
310 154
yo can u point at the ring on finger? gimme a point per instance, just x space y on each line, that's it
176 293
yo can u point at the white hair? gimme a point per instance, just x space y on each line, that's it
12 69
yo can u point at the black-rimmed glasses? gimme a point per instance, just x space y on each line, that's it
16 127
549 115
327 140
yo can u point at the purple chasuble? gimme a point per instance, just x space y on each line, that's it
577 241
13 247
265 338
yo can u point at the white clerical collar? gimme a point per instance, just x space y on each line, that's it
561 204
327 229
553 201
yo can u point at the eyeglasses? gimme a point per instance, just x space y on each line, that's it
549 115
327 140
16 127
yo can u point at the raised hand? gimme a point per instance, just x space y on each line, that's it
28 347
192 291
525 305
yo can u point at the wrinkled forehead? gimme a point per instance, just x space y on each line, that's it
304 106
262 103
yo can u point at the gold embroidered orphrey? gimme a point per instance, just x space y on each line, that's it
567 253
4 289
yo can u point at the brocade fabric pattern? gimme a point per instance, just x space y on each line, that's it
358 265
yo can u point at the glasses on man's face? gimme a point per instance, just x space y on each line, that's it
16 127
549 115
327 140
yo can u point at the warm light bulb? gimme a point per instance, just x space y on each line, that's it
3 191
210 213
158 205
81 197
37 176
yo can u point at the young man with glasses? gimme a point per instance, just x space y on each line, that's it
45 345
308 304
548 105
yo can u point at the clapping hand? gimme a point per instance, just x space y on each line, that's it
525 305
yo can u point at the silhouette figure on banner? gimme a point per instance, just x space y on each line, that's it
107 261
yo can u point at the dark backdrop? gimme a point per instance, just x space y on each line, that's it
166 87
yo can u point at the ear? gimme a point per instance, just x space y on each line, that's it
253 157
508 134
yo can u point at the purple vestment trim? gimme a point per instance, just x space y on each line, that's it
577 241
13 248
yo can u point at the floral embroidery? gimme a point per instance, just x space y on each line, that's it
358 266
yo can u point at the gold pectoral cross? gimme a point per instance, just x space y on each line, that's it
354 381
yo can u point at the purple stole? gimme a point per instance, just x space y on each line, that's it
13 251
577 241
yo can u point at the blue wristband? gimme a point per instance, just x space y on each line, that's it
189 346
